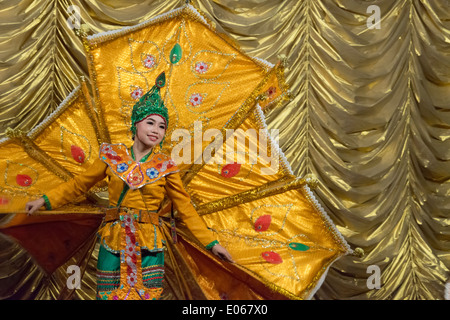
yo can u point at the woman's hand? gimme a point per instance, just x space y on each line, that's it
32 206
222 253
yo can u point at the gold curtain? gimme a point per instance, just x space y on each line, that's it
369 116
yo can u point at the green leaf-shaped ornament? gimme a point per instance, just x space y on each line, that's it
161 80
175 54
298 246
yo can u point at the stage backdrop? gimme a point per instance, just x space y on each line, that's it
369 117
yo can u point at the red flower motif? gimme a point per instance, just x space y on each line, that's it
201 67
272 257
23 180
263 223
77 154
230 170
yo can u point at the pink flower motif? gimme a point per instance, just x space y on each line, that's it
115 298
201 67
147 296
149 61
196 99
137 93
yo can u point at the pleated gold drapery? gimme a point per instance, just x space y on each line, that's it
369 117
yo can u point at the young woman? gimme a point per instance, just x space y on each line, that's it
131 258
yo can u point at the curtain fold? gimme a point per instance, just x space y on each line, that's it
369 118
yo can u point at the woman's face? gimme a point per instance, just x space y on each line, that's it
151 130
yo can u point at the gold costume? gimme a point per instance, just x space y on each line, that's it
136 191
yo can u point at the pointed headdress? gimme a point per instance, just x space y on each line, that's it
150 103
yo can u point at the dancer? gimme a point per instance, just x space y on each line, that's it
131 257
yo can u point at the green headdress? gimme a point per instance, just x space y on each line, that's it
150 103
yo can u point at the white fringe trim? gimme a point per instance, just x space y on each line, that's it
3 140
327 218
275 147
336 232
447 291
102 36
265 63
